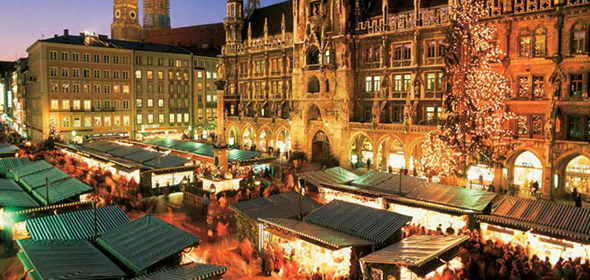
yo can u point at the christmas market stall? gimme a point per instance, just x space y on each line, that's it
7 150
285 205
370 189
440 206
146 248
149 168
330 240
416 257
546 229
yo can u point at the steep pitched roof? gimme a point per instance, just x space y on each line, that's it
205 40
274 15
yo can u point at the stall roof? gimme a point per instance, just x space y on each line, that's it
450 198
12 163
326 236
235 155
364 222
371 178
62 190
6 148
145 242
31 168
122 151
66 259
194 271
285 205
12 195
102 146
143 157
416 250
77 224
200 149
108 157
335 175
39 179
549 218
167 162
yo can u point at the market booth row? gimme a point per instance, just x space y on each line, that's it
285 205
416 257
331 239
113 248
149 168
432 205
546 228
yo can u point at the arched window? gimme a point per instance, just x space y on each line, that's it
579 37
524 43
540 42
313 56
313 86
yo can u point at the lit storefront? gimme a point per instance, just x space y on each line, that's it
361 152
328 195
478 172
431 219
527 170
558 234
577 175
415 258
319 241
537 244
220 185
284 141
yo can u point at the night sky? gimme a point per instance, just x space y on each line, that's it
23 22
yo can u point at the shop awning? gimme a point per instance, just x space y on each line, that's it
143 156
336 175
6 148
31 168
368 223
416 250
77 224
66 259
448 198
200 149
122 151
332 238
236 155
125 164
102 146
383 184
547 218
194 271
38 179
11 163
144 242
62 190
285 205
12 195
167 162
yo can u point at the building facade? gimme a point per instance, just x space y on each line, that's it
205 100
364 80
163 92
89 85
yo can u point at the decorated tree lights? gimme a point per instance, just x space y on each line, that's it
474 110
53 134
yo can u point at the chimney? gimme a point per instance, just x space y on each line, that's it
66 33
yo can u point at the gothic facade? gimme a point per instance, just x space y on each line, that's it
364 80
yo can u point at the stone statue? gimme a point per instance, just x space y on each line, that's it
555 89
220 70
549 130
408 114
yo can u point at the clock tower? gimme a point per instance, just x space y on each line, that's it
125 21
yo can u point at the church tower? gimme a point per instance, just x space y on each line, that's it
234 22
125 21
156 14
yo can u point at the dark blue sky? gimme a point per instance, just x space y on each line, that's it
22 22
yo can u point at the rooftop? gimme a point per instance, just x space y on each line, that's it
285 205
273 14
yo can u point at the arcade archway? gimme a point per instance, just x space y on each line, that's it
361 152
232 136
249 138
264 140
577 175
283 141
528 169
320 147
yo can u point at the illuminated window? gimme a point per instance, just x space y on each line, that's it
524 43
54 104
107 121
171 118
150 118
117 121
77 105
579 37
150 75
139 118
87 121
65 104
87 105
161 118
138 103
540 36
161 103
126 120
160 75
150 103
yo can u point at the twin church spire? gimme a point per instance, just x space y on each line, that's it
125 26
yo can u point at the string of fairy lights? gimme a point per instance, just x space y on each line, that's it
474 110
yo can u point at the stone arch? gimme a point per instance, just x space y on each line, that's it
233 135
525 166
264 138
362 152
282 138
248 137
314 113
414 150
312 56
320 145
573 171
313 85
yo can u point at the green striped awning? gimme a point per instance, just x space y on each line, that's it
194 271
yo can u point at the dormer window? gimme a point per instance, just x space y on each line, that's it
314 9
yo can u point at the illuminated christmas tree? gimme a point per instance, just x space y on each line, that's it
53 135
474 107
